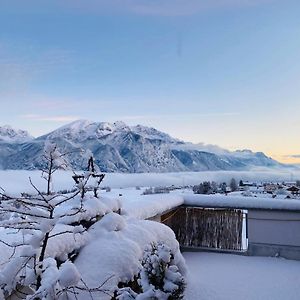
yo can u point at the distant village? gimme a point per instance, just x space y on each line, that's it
289 189
282 190
285 189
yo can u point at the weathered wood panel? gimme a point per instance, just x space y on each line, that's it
203 227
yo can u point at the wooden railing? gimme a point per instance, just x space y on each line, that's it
207 228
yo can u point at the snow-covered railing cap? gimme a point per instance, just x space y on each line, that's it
222 201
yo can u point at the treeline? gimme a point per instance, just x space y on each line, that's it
212 187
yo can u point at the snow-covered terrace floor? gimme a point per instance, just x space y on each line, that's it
228 277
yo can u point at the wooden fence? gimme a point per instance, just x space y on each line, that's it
205 227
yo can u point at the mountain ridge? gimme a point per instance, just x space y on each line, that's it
118 147
9 134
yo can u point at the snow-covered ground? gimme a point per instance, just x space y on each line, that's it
229 277
211 276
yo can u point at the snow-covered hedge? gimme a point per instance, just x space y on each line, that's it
72 246
109 252
40 237
90 250
159 277
116 250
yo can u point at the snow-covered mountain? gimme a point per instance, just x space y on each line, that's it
118 147
10 135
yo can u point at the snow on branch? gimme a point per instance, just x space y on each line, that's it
49 230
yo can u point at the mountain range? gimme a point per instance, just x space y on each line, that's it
118 147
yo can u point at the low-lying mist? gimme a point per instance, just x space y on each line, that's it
18 181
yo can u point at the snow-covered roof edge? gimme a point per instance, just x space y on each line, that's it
221 201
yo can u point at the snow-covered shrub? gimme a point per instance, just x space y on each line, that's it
205 187
159 277
48 231
160 274
53 160
74 246
115 251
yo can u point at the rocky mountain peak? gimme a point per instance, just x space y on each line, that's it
11 135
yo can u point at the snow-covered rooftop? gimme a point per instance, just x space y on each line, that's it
223 201
136 205
147 206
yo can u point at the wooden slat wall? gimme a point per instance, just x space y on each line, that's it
211 228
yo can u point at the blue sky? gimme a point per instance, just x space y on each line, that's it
223 72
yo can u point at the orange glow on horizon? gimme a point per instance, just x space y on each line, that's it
286 159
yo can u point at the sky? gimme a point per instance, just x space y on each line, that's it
222 72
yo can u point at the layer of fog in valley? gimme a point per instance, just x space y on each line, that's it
18 181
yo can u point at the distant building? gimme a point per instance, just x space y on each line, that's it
270 188
249 183
295 191
228 190
246 185
257 189
290 183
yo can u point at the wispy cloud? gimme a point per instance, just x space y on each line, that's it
177 116
293 156
43 118
129 118
287 158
